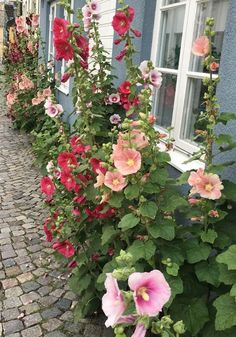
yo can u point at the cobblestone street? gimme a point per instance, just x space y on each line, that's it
34 300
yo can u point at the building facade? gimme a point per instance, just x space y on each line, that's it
168 28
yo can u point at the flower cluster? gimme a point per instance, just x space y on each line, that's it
52 109
150 74
91 11
41 96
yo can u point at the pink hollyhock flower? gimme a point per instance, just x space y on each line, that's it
11 98
214 66
35 20
115 119
210 186
64 50
127 161
54 110
115 181
60 29
100 180
94 6
151 292
113 304
47 186
87 24
114 98
121 23
151 119
68 180
193 201
201 46
67 161
48 103
87 12
30 47
144 68
140 331
124 88
214 213
139 139
65 248
47 92
35 101
50 166
196 177
155 78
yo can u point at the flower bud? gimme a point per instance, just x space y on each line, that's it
119 330
179 327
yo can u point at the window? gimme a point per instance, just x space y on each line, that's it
65 87
52 15
179 101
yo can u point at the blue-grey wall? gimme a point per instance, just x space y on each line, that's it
226 90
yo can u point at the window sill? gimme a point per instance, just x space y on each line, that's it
178 157
63 90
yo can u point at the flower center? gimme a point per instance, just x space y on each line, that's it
143 293
208 187
122 23
48 187
130 162
115 182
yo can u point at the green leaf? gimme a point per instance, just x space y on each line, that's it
223 139
116 200
229 190
148 209
150 188
208 272
108 233
225 312
209 331
173 270
128 221
193 312
209 236
132 192
165 229
172 201
140 249
183 178
225 117
196 251
226 276
173 251
228 257
159 176
233 291
176 286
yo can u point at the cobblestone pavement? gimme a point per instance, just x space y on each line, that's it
34 298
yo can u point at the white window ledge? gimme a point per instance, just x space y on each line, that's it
64 90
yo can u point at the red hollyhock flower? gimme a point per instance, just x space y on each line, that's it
65 248
47 186
80 199
47 231
67 161
65 77
124 88
72 264
121 55
121 23
76 211
60 31
131 13
97 166
64 50
83 45
136 32
68 181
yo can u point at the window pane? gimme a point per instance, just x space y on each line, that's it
218 10
171 2
171 37
165 100
193 107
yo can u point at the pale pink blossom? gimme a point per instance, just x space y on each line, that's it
151 292
115 181
114 98
35 101
145 70
87 24
214 66
11 98
35 20
140 331
208 185
201 46
94 6
100 180
127 161
193 201
115 119
48 103
113 304
54 110
87 12
47 92
30 47
155 78
214 213
139 139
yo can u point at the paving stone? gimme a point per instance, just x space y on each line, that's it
30 286
2 275
12 302
63 304
9 263
12 326
57 292
47 301
16 291
30 308
32 319
17 334
8 254
29 298
92 330
13 271
52 324
67 316
10 314
55 334
25 277
34 331
51 313
45 290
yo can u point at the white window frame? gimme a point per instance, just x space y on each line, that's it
51 49
65 87
182 150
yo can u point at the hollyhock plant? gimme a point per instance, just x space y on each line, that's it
113 304
65 248
114 180
67 161
64 50
155 78
201 46
47 186
60 29
127 161
151 292
68 180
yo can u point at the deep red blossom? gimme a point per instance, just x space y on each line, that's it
47 186
65 77
121 23
67 161
131 13
47 231
68 180
124 88
97 166
136 32
83 45
60 29
121 55
65 248
64 50
80 199
72 264
117 41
